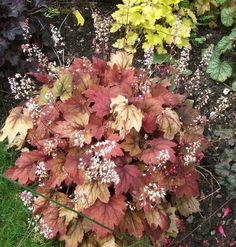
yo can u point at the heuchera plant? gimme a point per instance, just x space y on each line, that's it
110 142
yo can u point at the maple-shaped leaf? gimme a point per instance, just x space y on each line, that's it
101 97
131 143
74 234
25 168
132 223
126 116
169 123
96 126
109 214
18 122
130 176
86 194
187 206
157 218
63 86
153 148
121 58
108 241
168 97
71 167
69 215
57 173
89 241
189 183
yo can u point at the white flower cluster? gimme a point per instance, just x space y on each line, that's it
193 84
152 192
190 156
57 38
148 56
39 225
130 205
182 65
79 138
203 98
222 103
102 30
100 168
26 29
50 146
27 199
22 87
34 52
50 98
41 172
162 158
142 85
34 109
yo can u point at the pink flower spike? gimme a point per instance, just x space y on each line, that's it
226 211
220 229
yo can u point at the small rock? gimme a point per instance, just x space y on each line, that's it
219 195
190 219
226 91
213 232
219 215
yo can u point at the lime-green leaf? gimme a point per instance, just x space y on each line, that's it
79 18
227 16
234 86
219 70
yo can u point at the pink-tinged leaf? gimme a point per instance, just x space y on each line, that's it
42 77
226 211
96 126
221 231
57 173
149 123
130 177
109 214
71 167
25 168
101 97
153 147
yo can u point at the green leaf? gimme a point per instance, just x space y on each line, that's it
160 58
227 16
225 44
218 70
220 1
233 33
234 86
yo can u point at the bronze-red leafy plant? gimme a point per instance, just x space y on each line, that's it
110 142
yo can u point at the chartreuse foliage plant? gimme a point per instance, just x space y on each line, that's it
154 23
106 140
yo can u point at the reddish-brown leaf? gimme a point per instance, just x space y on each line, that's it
132 223
25 168
153 148
109 214
130 176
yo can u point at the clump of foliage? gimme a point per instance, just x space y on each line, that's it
154 23
220 70
12 17
226 168
110 142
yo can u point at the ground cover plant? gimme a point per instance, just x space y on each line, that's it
85 109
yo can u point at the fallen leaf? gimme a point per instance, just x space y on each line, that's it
226 211
79 17
221 231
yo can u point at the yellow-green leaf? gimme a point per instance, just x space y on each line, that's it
79 18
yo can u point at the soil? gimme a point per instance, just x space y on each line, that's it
201 228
